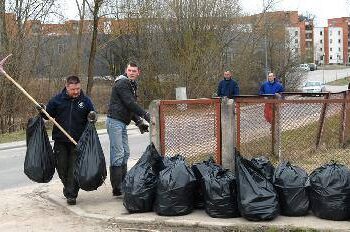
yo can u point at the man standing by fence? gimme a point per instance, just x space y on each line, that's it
271 86
228 87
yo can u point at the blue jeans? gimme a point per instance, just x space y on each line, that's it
118 139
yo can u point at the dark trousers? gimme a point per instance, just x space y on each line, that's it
65 157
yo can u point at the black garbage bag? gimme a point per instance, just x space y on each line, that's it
39 163
257 198
265 166
175 189
140 183
220 193
90 167
200 170
330 192
292 183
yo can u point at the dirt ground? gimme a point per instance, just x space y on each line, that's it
25 209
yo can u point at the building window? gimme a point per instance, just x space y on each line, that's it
61 49
330 41
330 49
296 41
320 49
330 57
338 49
321 41
338 32
339 41
320 32
321 57
296 33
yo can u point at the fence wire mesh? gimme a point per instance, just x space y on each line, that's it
191 128
305 130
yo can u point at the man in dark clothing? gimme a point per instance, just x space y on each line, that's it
122 109
228 87
271 86
71 109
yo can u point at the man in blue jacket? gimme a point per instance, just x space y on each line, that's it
228 87
72 110
271 86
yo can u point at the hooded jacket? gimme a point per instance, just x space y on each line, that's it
122 105
70 113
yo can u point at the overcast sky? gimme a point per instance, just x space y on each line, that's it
322 9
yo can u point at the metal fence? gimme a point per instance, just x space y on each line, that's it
190 128
304 129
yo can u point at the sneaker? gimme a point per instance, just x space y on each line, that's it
71 201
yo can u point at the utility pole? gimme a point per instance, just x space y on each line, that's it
265 38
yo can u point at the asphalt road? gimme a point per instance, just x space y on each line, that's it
12 160
326 76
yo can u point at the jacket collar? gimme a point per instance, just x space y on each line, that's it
65 94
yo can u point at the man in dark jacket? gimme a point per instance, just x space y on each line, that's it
228 87
71 109
122 109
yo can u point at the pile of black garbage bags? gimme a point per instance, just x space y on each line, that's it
256 191
40 162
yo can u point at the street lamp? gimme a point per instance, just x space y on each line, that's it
323 61
265 37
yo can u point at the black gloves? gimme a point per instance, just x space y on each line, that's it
142 126
92 117
40 107
147 117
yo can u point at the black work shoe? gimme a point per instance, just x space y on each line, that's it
116 192
71 201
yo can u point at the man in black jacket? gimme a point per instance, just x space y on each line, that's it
72 110
122 109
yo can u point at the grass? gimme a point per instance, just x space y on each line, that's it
21 135
299 146
343 81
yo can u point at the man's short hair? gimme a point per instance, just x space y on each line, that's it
72 80
132 64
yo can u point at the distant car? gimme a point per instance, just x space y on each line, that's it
304 67
312 66
313 87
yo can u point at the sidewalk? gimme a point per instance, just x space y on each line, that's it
42 207
102 205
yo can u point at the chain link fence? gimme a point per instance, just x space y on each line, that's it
191 128
306 130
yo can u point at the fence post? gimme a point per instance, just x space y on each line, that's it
346 122
321 122
181 93
155 125
228 137
276 129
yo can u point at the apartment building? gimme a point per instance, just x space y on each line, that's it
336 42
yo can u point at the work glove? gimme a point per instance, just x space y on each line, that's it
142 126
92 117
40 107
147 117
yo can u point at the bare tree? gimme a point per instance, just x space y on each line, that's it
95 13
